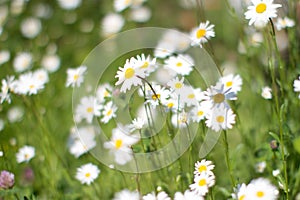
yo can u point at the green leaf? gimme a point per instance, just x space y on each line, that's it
275 136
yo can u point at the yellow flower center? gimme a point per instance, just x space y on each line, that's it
87 175
106 93
202 168
200 33
89 110
179 64
145 65
155 97
220 119
75 77
31 86
127 2
229 84
26 155
109 112
129 73
202 182
118 143
170 105
242 197
260 8
200 113
191 96
178 85
219 98
260 194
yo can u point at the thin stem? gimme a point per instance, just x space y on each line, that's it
228 163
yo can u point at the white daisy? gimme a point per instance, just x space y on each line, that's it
261 189
176 84
297 86
172 103
22 61
164 49
109 112
148 65
31 27
51 63
103 91
266 92
240 193
181 64
160 96
283 23
204 166
87 109
199 112
160 196
202 33
75 77
69 4
4 56
41 75
234 83
220 118
136 124
25 154
180 120
188 95
28 84
140 14
188 195
87 173
126 195
7 87
202 183
129 75
120 146
112 23
261 11
82 140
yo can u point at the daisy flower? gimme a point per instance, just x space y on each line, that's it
87 173
220 118
87 109
4 56
28 84
160 96
22 61
146 64
127 195
75 76
260 166
283 23
188 95
15 114
31 27
103 91
164 49
172 103
25 154
160 196
51 63
181 64
7 87
234 83
180 120
109 112
297 86
82 141
188 195
41 75
261 11
266 92
120 146
199 112
202 33
204 166
140 14
261 189
176 84
202 183
121 5
241 192
136 124
112 23
129 75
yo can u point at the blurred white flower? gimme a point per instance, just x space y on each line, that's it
202 33
164 49
276 172
260 12
176 84
3 15
25 154
188 96
109 112
112 23
103 91
1 153
87 109
82 140
120 146
199 112
51 63
75 77
160 196
43 10
266 92
29 84
126 195
86 25
283 23
22 61
260 167
181 64
256 39
180 120
261 188
121 5
69 4
297 86
15 114
188 195
8 86
140 14
136 124
87 173
41 75
31 27
4 56
17 7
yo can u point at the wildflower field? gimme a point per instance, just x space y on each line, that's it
150 100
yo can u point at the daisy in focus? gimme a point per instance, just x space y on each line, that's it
87 173
260 12
261 189
234 83
204 166
147 64
202 183
25 154
201 34
75 77
181 64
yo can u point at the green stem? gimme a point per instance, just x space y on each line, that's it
227 158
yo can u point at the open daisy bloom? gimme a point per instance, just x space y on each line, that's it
87 173
202 183
261 189
202 33
261 11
